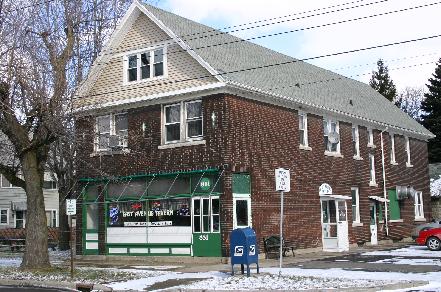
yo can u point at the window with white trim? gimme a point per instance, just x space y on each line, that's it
145 65
355 205
4 216
372 169
331 126
356 141
183 122
392 149
419 210
52 218
303 129
50 185
113 126
5 183
241 212
370 134
408 164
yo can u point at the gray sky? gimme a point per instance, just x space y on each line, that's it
393 27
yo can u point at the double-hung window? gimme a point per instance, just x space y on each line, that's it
356 142
392 149
370 137
145 65
355 205
408 164
51 218
5 183
4 216
372 181
331 136
183 122
111 131
419 211
303 130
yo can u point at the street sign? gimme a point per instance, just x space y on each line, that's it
71 207
283 183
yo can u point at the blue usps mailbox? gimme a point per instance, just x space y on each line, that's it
244 249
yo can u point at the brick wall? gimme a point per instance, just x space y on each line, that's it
254 137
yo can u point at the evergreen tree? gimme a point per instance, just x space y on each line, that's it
381 82
431 117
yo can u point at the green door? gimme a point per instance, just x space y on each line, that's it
206 227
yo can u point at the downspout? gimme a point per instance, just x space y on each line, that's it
384 182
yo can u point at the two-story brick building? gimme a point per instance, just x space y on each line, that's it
181 128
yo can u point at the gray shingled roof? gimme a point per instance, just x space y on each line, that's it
316 86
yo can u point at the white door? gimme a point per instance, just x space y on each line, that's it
342 226
373 224
335 235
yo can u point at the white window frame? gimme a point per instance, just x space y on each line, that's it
407 141
247 198
183 123
7 216
138 53
10 186
356 136
392 150
56 216
419 207
370 133
357 206
122 142
372 181
24 218
329 122
210 210
304 125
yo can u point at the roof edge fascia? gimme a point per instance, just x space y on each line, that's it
284 101
180 42
152 99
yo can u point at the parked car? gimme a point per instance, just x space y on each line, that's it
431 238
435 223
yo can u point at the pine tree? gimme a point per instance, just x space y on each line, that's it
431 117
381 82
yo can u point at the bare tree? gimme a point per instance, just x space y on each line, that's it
46 50
409 101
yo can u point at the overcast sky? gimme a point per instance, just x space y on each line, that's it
393 27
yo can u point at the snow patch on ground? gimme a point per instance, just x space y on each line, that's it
10 262
412 262
410 251
156 267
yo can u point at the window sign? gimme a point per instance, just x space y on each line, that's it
169 212
282 180
127 214
205 184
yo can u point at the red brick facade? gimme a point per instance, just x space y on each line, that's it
254 137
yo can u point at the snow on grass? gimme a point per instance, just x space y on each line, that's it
10 262
143 283
274 282
156 267
410 251
412 262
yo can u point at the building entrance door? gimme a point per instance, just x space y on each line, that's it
373 224
334 224
206 227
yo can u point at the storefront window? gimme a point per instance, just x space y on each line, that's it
127 214
92 216
169 212
124 190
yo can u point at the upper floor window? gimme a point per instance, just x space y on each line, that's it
145 65
5 183
356 141
372 181
331 135
392 149
370 137
112 131
408 164
419 211
355 205
303 129
183 121
50 185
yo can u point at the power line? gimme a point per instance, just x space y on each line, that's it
265 66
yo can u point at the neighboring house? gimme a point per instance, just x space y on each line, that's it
13 204
435 188
181 127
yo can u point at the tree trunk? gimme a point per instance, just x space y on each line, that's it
36 255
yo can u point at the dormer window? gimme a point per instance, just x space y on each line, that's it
145 65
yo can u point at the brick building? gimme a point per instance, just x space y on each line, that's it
181 128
